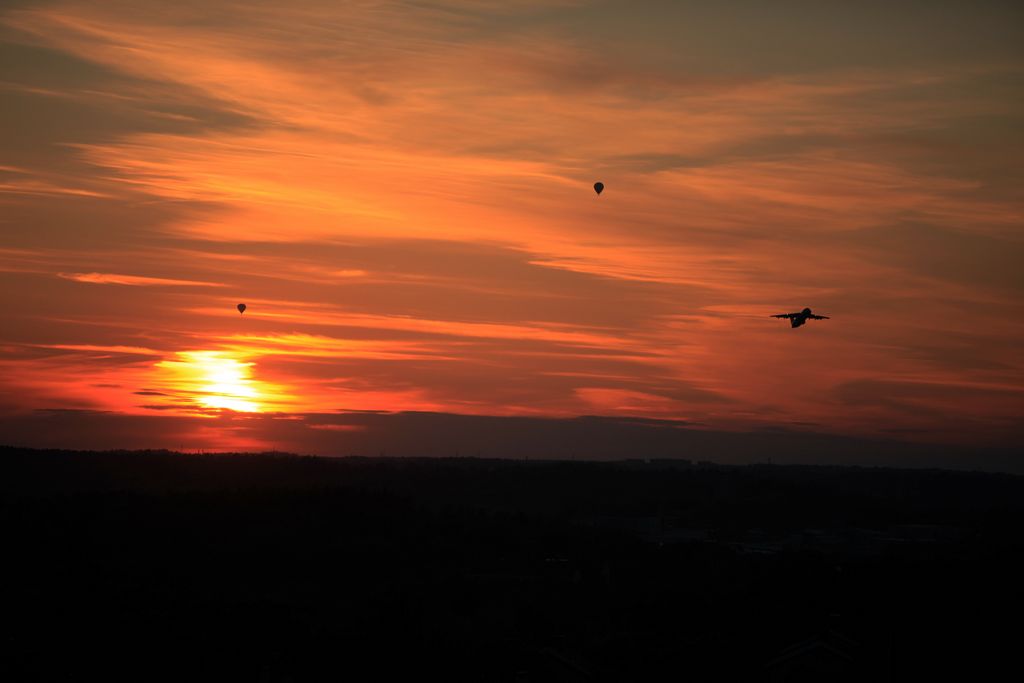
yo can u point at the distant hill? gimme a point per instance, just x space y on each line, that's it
433 434
634 486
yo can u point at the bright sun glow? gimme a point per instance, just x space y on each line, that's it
215 380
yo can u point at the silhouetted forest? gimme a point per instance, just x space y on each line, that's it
163 566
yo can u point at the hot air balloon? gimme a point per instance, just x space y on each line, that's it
241 309
598 187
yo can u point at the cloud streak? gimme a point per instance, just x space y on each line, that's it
133 280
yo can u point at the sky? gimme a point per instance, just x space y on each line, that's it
401 194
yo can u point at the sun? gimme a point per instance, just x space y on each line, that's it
213 379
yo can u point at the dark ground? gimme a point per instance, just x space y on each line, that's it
157 566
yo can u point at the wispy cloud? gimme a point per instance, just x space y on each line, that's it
133 350
133 280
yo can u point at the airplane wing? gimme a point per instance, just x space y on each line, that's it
818 317
783 315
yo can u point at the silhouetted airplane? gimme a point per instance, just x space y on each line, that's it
798 319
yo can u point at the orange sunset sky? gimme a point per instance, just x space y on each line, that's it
401 193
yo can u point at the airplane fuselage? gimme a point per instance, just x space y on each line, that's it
798 319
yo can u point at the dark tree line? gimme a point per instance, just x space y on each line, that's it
161 566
